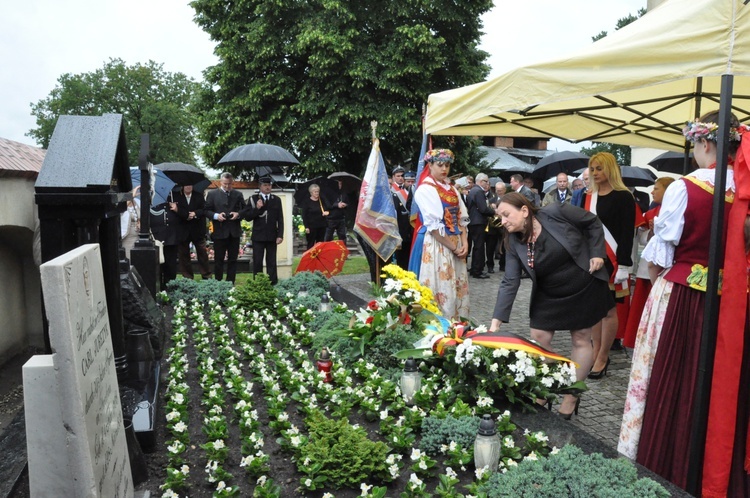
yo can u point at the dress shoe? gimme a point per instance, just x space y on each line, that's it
601 373
490 270
616 345
568 416
481 275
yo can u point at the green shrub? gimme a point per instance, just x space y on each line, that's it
570 472
317 284
345 455
329 335
256 294
331 320
203 290
441 431
381 350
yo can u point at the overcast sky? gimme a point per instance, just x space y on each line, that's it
43 39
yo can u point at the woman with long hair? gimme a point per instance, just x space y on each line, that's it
657 422
561 247
613 203
441 243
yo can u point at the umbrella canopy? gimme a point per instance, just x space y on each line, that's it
633 176
161 185
328 189
183 174
672 162
637 86
566 161
350 183
325 257
257 154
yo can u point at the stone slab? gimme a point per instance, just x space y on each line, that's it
87 389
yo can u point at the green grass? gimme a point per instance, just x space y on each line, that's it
353 266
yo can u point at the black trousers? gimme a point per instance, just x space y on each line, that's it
169 268
317 234
265 249
186 263
229 248
491 241
402 255
477 236
338 227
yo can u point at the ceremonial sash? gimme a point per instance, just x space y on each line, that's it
621 289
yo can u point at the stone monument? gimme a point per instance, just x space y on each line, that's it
75 433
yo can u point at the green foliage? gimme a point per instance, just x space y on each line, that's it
310 76
621 152
256 294
342 455
437 432
329 335
202 290
570 472
150 99
329 321
381 351
317 284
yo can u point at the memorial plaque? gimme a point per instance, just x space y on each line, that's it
76 305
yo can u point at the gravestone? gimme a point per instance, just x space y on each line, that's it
75 433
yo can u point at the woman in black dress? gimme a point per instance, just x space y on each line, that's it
562 248
313 216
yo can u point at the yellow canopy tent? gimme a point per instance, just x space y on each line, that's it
637 86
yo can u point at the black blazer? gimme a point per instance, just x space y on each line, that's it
196 228
579 231
476 204
268 221
166 225
312 213
217 201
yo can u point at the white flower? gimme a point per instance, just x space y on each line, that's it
364 488
180 426
531 456
308 482
481 329
185 470
221 486
169 494
296 441
555 450
261 481
416 454
384 414
484 401
247 460
451 473
414 481
328 495
423 465
173 415
480 472
219 444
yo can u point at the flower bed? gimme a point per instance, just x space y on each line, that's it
249 412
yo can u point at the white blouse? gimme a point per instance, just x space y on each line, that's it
669 224
431 207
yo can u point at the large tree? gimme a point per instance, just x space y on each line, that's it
310 75
150 99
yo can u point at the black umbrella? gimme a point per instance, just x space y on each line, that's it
672 162
184 174
328 189
350 183
633 176
566 161
258 155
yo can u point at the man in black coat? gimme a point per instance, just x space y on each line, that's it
402 199
190 208
225 208
268 228
336 207
479 214
166 227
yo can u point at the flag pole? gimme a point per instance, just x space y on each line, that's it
374 127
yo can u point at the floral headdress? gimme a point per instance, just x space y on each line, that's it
439 156
695 130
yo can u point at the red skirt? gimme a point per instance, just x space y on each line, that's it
640 294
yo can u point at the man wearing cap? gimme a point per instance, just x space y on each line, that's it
402 199
410 178
225 207
268 228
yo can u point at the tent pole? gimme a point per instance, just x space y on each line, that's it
711 307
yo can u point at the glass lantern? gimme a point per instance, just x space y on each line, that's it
325 303
487 445
411 381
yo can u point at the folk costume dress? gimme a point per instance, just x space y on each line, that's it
657 421
442 209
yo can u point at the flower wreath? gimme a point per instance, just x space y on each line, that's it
696 130
439 156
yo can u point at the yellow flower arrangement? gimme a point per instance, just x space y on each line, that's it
409 282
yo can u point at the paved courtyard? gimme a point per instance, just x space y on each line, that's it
601 406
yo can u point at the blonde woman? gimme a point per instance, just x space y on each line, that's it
613 203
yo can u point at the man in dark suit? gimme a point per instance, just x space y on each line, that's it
516 183
479 213
336 207
225 208
190 208
268 228
402 199
166 227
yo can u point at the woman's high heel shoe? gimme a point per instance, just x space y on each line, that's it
544 403
601 373
568 416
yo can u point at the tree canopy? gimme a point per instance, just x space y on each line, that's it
311 75
150 99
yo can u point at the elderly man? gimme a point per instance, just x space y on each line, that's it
225 207
479 213
562 194
577 184
578 195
